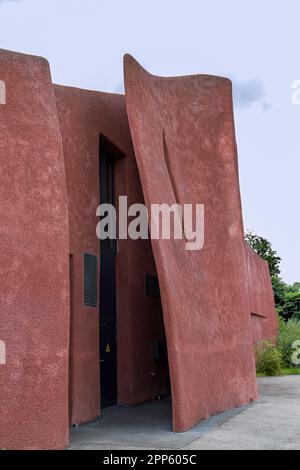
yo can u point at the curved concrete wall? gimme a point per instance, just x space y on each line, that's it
183 135
264 322
34 319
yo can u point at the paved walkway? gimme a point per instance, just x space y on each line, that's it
271 423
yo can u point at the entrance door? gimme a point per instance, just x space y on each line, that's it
108 326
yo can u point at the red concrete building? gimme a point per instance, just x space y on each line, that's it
86 324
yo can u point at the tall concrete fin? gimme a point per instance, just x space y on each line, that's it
34 301
184 141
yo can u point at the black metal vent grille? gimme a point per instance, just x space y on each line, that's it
151 286
90 280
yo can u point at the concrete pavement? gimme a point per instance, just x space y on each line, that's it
271 423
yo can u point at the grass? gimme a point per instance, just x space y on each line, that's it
284 371
291 371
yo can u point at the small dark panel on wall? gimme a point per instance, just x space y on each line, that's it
151 286
90 280
158 351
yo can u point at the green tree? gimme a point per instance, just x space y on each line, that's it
287 298
264 249
291 307
296 286
280 289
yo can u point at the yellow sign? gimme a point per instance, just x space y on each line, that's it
107 348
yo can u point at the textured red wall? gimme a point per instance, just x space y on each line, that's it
183 135
183 132
262 307
84 115
34 319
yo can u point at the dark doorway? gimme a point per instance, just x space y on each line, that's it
108 324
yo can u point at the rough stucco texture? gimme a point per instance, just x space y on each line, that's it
262 308
33 260
184 141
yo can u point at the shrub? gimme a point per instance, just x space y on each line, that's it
268 359
281 323
289 332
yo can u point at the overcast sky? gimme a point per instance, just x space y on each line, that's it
255 43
